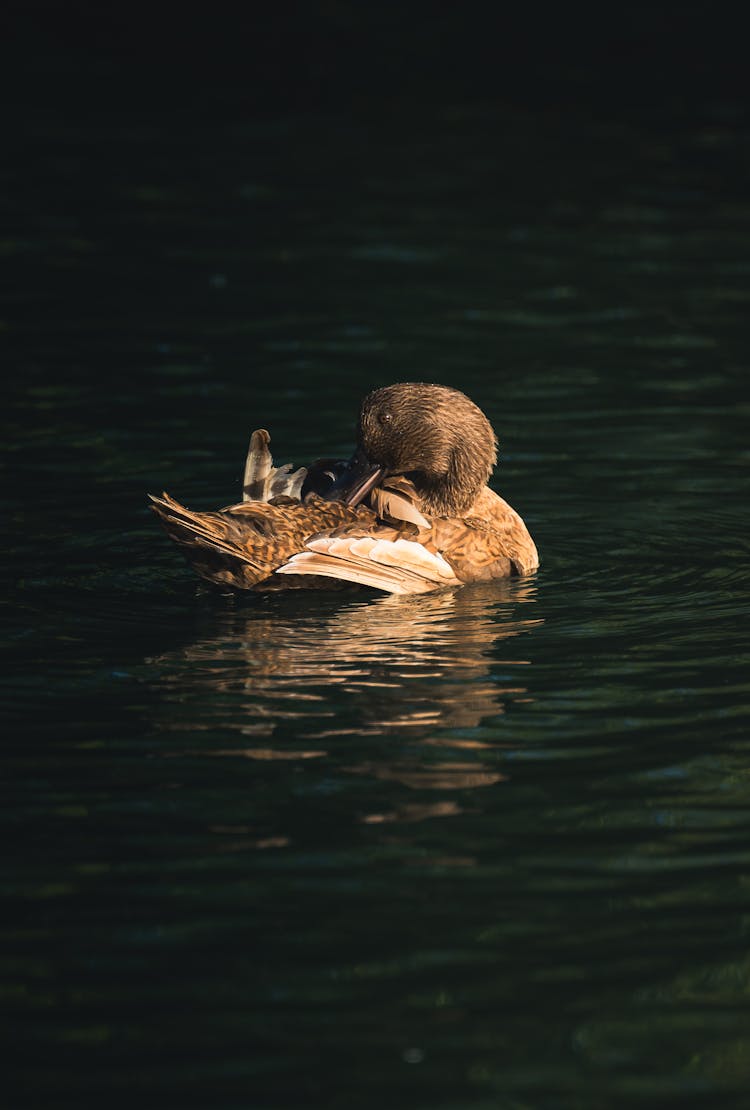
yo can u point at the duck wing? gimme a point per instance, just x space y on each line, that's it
408 552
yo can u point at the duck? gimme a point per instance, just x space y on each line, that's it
410 512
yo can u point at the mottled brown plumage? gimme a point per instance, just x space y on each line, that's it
426 520
244 544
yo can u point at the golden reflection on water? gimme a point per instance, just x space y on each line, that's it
399 663
303 685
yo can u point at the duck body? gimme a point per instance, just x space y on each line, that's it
409 513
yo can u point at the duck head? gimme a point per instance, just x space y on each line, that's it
432 434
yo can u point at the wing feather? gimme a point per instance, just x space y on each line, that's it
262 480
395 566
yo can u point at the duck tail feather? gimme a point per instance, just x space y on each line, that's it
207 544
186 525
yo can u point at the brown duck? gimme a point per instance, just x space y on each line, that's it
409 512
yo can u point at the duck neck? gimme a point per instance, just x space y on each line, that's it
453 493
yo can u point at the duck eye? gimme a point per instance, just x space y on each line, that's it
384 417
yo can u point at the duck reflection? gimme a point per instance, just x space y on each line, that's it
302 684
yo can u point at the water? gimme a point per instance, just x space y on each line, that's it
483 848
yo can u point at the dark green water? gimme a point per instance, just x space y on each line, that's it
488 848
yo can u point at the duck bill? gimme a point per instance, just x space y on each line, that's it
360 476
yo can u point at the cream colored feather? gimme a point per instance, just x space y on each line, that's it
396 566
262 480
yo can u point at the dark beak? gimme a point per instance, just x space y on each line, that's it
356 480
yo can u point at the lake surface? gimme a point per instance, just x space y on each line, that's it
484 848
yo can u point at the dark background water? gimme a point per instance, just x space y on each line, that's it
483 848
